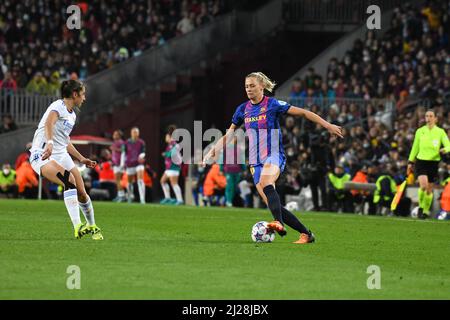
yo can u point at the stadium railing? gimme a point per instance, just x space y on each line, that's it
25 108
390 111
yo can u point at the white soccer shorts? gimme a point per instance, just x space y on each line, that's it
172 173
133 170
63 159
118 169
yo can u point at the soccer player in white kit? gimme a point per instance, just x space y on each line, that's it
50 156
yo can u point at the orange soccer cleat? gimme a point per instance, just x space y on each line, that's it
278 227
305 238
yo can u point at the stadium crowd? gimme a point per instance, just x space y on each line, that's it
37 50
410 60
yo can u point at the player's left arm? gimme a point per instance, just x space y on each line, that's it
75 153
299 112
445 141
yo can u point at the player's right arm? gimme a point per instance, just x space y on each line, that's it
49 125
220 143
236 122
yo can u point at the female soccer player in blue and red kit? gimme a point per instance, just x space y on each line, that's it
266 155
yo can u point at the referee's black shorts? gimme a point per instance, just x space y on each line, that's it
426 168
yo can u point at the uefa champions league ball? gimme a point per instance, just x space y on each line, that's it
443 215
292 206
415 212
260 232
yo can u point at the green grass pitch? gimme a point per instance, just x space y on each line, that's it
167 252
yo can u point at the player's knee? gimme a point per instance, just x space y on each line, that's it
67 179
264 183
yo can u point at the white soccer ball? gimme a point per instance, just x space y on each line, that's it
292 206
415 212
443 215
260 232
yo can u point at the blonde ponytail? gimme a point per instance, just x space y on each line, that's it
264 80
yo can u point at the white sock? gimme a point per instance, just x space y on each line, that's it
141 187
130 189
71 202
121 193
88 211
177 190
166 190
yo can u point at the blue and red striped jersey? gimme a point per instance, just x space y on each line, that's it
262 128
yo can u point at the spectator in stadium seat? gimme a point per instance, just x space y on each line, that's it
8 184
54 84
433 15
310 77
27 181
122 54
73 76
297 90
8 82
24 156
339 198
8 124
186 24
204 17
214 186
38 84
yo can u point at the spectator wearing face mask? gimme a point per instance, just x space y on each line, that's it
8 181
